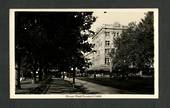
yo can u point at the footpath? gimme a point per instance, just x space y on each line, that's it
60 86
55 86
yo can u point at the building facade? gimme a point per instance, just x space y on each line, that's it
103 41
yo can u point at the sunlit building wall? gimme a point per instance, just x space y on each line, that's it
103 44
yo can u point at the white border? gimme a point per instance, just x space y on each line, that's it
81 96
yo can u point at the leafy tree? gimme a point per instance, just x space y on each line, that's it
52 40
135 47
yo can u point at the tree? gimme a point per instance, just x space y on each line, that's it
135 47
53 39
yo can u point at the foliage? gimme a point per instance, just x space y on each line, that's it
52 40
135 47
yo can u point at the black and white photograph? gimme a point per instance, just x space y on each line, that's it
84 53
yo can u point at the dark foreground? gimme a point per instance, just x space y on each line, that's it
88 86
138 86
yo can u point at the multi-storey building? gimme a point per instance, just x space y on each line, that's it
103 44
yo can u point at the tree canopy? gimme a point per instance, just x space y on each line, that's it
135 47
52 39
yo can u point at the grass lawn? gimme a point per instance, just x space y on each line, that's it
139 86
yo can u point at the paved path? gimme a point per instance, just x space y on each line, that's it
99 89
60 86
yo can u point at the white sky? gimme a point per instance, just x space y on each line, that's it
110 17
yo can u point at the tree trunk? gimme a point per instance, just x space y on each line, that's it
74 75
40 74
63 76
18 86
110 75
34 75
94 75
45 73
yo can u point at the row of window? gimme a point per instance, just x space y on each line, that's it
114 33
107 60
107 51
98 44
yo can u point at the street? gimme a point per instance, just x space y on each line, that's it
99 89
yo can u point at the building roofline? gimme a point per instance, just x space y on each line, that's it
106 28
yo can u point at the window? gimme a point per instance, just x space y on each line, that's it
117 34
107 43
107 61
107 33
107 51
114 33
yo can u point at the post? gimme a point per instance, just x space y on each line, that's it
74 75
110 68
40 73
63 75
94 74
34 75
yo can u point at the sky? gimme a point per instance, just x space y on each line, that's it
110 17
